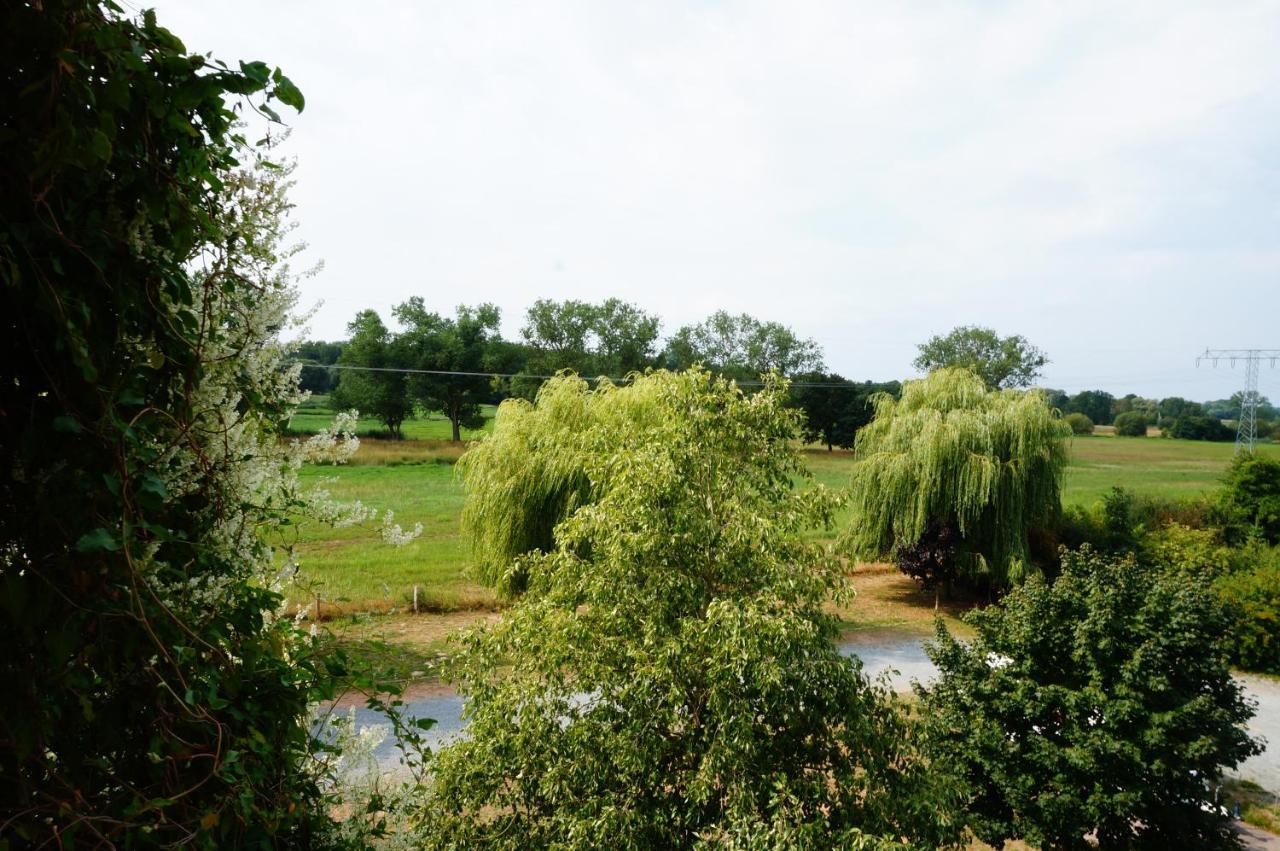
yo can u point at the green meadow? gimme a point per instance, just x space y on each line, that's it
351 569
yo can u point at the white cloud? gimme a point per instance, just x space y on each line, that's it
1099 177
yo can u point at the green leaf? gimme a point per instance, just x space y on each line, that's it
288 93
99 145
66 424
98 539
258 71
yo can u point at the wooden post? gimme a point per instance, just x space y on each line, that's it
415 599
316 617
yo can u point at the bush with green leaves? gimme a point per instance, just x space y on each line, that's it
1079 423
670 678
988 463
1131 424
1196 554
1199 427
1249 501
1252 594
1119 521
1100 704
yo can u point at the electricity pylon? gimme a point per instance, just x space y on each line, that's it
1247 426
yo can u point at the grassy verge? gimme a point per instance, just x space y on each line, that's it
1257 806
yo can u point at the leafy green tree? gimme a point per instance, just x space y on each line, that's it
1001 362
1056 399
1266 412
835 407
468 343
1094 404
1079 423
670 677
1101 704
1175 407
742 347
1200 427
151 700
1223 409
374 387
1133 403
988 463
611 338
1250 498
1253 596
317 354
1131 424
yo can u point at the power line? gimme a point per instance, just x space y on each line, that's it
462 373
1247 425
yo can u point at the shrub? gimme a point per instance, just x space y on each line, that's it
1250 498
1131 424
1194 553
1118 521
1101 703
1199 427
1080 423
1253 596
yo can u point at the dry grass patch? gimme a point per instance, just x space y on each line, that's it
887 599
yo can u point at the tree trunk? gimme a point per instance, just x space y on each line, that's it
457 431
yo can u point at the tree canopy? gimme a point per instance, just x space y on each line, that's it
1131 423
1097 405
998 361
835 407
742 347
611 338
670 677
953 452
375 389
1102 704
467 343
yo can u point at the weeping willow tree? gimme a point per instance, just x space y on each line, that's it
951 454
526 476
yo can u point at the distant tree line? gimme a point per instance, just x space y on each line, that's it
610 338
1175 416
615 338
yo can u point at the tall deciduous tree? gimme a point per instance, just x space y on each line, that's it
835 407
1094 404
1101 704
670 676
1173 407
999 361
611 338
741 346
952 452
468 343
374 387
315 355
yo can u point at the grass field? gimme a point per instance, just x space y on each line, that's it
316 414
353 570
1152 465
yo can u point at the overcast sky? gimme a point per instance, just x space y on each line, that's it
1102 178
